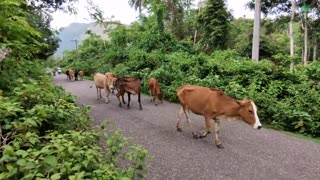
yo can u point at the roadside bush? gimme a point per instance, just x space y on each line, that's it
44 135
72 155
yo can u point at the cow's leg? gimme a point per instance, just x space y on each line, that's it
139 100
128 105
216 134
157 100
187 113
151 95
107 91
208 128
97 92
179 119
118 97
124 102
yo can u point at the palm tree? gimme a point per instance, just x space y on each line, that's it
138 4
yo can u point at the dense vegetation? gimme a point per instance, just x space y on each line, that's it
43 133
287 99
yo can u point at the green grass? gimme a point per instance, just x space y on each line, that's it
301 136
292 134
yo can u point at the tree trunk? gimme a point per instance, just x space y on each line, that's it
256 31
315 49
291 36
305 54
195 38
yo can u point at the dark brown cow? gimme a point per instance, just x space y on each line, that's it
213 104
129 85
68 76
154 89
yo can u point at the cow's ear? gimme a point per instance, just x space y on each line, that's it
241 102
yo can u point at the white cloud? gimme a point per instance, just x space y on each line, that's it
239 8
121 11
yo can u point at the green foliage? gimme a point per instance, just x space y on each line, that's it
213 22
72 155
25 28
45 135
313 71
284 59
286 99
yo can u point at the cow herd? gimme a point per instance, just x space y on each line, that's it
212 104
74 74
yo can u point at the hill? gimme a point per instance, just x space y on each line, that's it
77 31
71 32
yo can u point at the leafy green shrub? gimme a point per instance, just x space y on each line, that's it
72 155
313 70
44 135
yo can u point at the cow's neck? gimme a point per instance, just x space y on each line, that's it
234 111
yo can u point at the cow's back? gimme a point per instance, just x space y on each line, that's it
130 84
201 99
99 80
71 74
154 86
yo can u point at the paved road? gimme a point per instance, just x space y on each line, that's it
249 154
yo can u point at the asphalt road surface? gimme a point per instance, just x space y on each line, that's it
248 153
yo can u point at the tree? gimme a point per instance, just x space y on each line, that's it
138 4
280 6
213 24
256 31
25 26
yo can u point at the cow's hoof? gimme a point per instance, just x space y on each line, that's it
202 136
140 108
195 136
220 146
179 129
156 104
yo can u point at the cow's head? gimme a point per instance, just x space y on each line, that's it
248 113
111 79
160 96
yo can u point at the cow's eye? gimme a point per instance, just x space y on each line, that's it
250 111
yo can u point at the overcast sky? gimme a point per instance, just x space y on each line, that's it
121 11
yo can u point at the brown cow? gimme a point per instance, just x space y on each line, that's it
214 104
71 74
129 85
154 89
104 81
81 73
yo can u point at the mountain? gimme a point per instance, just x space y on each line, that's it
69 33
77 31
